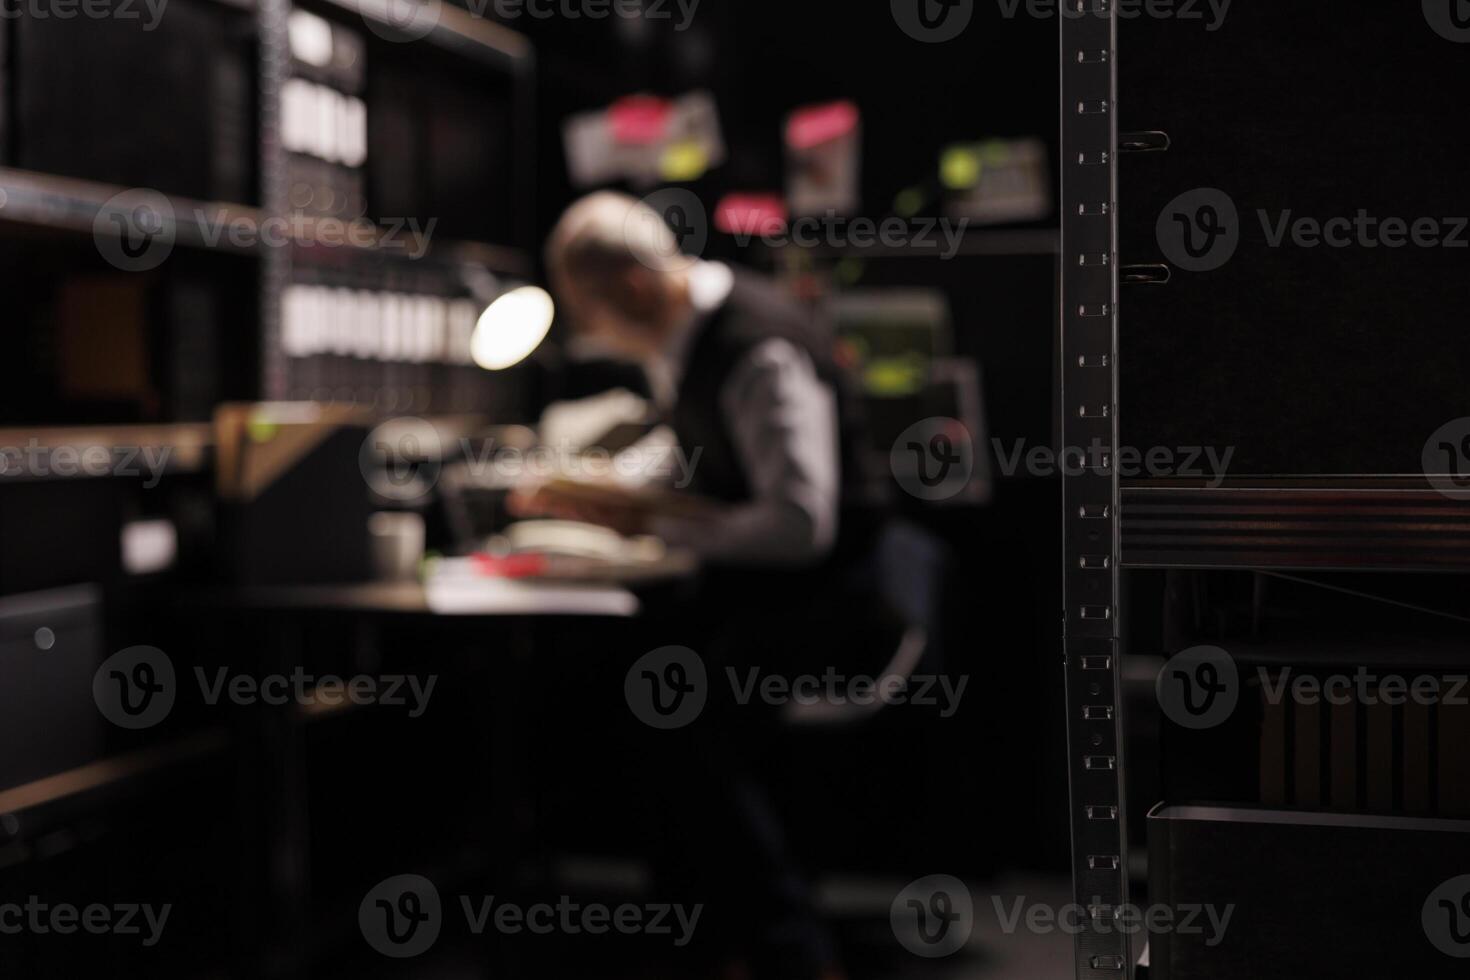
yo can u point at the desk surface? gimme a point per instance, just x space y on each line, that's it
483 597
404 597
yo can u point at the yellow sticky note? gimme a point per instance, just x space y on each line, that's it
960 168
685 160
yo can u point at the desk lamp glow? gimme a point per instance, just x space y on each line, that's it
511 328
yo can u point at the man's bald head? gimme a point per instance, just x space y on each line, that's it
617 267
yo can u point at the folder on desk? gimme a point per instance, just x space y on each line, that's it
256 444
294 499
653 502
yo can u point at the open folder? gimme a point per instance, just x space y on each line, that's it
645 501
294 497
257 443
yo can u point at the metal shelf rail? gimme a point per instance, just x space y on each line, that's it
1322 523
1089 386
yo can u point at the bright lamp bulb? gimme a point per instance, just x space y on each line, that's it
511 328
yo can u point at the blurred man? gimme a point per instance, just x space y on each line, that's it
747 380
743 374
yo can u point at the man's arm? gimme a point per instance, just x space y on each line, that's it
783 419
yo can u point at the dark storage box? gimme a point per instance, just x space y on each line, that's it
1310 894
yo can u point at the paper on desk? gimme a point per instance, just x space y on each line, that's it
469 595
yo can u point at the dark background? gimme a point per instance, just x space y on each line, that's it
977 795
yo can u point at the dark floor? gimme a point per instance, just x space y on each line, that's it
993 953
859 911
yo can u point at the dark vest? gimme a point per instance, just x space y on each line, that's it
757 311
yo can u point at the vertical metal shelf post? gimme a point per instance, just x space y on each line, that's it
275 263
1089 431
285 953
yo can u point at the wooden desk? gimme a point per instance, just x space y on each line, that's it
485 597
518 621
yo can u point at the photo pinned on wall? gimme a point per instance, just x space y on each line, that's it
824 159
997 181
645 140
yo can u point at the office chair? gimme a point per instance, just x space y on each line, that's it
910 569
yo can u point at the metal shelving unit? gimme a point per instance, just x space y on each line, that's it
1238 530
1320 523
1089 401
455 31
274 68
37 206
35 202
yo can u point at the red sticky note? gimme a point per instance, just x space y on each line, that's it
818 124
751 214
639 120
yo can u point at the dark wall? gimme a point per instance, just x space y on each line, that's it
762 58
995 772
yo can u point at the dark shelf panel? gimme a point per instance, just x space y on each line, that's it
1332 650
36 800
47 201
190 447
1348 523
455 29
